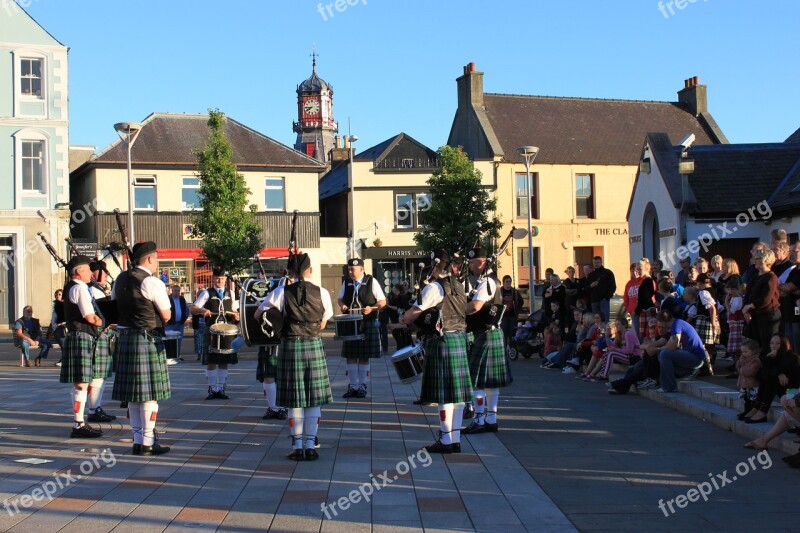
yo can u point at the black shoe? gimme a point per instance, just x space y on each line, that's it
351 392
491 428
316 441
456 447
271 413
100 416
742 415
793 430
791 458
136 450
311 455
283 414
474 429
361 392
759 421
155 449
101 411
221 395
469 411
211 394
123 405
85 432
438 447
296 455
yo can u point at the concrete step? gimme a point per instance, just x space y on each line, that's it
722 396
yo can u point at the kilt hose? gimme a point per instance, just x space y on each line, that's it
369 348
103 365
76 363
704 329
267 362
488 362
216 358
302 376
446 378
141 368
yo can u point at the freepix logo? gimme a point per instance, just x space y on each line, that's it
326 11
12 6
668 6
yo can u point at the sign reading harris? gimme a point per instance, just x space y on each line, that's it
394 252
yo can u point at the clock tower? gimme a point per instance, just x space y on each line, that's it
315 126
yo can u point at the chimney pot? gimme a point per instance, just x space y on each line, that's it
695 80
472 67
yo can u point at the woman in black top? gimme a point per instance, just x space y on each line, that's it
646 298
779 371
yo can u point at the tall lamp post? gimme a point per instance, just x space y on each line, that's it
349 140
128 132
528 154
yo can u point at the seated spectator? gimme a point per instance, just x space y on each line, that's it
583 353
552 342
576 334
683 353
779 372
27 335
599 348
747 367
789 419
626 351
644 373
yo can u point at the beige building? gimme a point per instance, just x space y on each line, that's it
583 176
281 180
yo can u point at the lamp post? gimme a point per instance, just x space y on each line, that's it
128 132
528 154
349 140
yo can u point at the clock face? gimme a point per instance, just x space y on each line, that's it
311 107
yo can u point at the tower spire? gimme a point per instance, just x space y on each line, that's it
314 55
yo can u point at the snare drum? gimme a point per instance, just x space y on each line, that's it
349 327
408 363
221 336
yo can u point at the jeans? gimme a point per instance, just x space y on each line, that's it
173 347
674 362
604 306
44 348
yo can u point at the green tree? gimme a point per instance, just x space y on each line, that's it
230 234
458 204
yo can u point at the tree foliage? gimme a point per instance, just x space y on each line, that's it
231 236
458 204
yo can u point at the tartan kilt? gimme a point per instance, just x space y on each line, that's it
103 365
76 363
267 362
446 377
735 329
704 329
488 363
141 368
216 358
369 348
302 373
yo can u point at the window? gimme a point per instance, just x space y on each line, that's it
33 166
31 77
523 271
144 192
522 195
190 193
274 194
584 207
407 206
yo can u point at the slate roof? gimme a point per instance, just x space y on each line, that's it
169 138
335 181
586 130
794 137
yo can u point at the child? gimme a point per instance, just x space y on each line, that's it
733 305
598 349
748 365
625 348
524 331
552 343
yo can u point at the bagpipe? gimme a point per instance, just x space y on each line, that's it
53 253
491 314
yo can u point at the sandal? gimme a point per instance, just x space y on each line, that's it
753 445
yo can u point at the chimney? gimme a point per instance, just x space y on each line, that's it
470 87
337 141
693 96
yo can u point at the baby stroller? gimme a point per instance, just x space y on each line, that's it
528 338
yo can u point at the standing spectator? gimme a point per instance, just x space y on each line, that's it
701 265
179 315
583 286
58 324
556 293
782 265
545 287
656 266
513 302
630 297
646 298
751 273
764 301
601 286
680 279
571 286
27 335
165 277
199 327
717 271
383 329
790 299
399 302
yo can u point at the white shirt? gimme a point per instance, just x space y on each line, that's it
79 295
377 292
152 289
275 299
204 295
482 292
431 296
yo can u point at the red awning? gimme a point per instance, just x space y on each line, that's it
197 253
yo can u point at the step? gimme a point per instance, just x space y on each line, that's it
722 396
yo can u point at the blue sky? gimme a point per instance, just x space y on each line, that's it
393 64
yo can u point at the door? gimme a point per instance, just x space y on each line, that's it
7 285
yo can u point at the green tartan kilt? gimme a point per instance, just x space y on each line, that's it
303 373
216 358
369 348
103 366
488 362
267 362
446 376
141 368
703 326
76 363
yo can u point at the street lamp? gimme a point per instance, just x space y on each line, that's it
528 154
128 132
349 140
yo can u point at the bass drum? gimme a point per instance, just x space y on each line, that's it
267 330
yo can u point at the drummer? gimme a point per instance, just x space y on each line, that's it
363 293
302 371
446 378
218 306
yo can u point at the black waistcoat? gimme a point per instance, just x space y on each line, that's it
365 296
133 309
304 310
